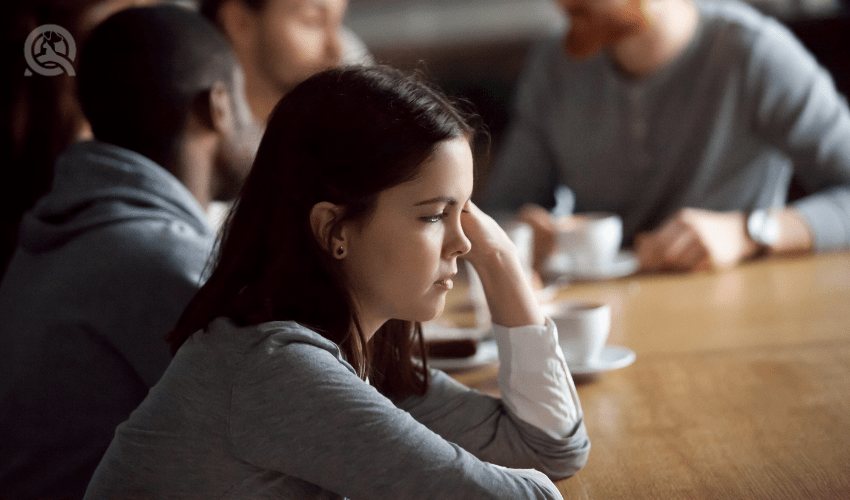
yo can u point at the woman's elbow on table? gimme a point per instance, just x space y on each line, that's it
568 457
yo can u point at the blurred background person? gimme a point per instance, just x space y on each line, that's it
686 119
109 258
40 114
280 43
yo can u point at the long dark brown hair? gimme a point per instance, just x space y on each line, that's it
342 136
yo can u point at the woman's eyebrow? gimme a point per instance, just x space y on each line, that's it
439 199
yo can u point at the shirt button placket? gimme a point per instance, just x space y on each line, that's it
638 129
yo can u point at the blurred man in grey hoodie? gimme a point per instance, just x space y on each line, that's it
107 260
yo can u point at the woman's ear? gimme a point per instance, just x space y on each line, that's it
324 220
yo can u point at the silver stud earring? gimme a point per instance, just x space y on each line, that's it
340 251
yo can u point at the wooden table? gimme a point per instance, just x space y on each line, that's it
741 387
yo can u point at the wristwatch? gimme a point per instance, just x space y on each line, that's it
763 228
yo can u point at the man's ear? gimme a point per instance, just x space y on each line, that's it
219 114
324 220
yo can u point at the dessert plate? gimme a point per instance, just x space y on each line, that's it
486 354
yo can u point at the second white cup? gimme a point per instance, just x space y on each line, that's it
590 240
583 329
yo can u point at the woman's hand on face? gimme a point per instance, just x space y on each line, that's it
495 258
489 241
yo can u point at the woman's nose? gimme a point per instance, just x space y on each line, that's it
458 243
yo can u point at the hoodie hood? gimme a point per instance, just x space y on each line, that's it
94 184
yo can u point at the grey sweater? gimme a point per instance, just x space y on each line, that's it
721 128
273 411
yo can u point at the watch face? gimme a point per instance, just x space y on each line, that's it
771 230
763 227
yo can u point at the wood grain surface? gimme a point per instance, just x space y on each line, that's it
740 389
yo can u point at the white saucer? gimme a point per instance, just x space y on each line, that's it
611 358
487 353
624 264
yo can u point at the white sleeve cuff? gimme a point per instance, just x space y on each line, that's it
534 380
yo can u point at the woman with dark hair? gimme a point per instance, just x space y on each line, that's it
293 374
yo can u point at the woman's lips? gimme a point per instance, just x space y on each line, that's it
446 283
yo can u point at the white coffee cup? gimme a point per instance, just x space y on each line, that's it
583 329
589 240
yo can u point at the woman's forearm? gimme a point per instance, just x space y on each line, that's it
509 293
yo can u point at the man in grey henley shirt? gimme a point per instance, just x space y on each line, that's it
683 126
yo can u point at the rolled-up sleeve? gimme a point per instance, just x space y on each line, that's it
537 424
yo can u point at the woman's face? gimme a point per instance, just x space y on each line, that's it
401 260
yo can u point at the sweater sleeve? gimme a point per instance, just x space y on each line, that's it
538 424
298 410
800 112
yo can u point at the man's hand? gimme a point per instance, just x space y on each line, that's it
695 240
545 234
